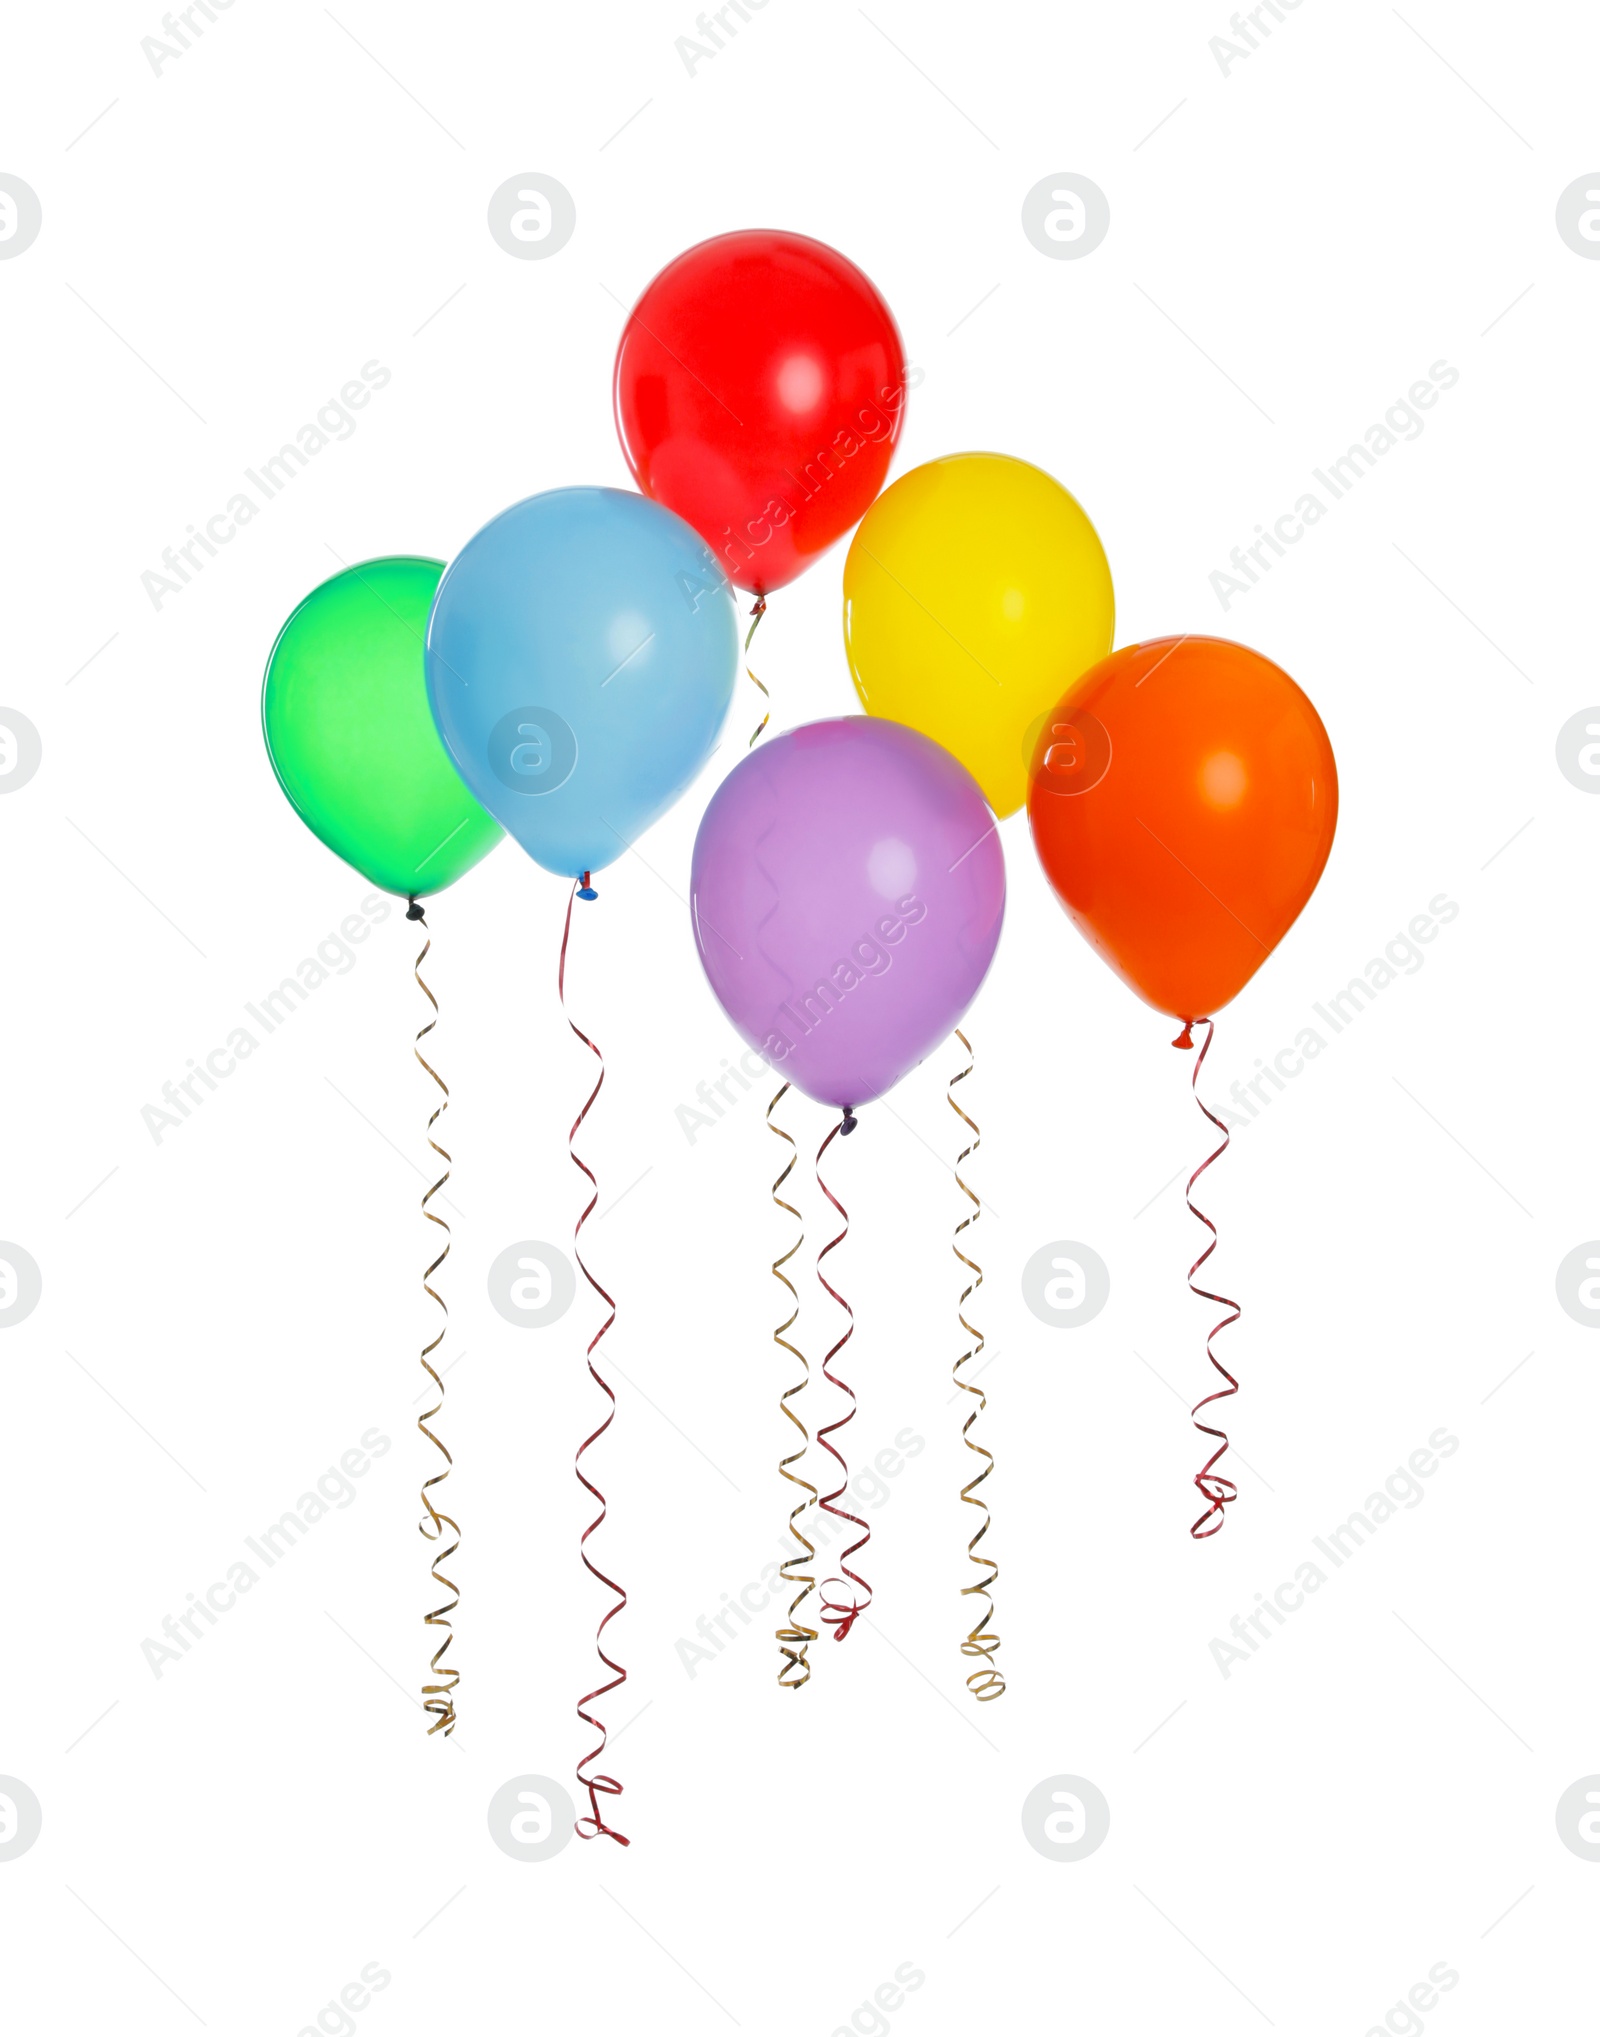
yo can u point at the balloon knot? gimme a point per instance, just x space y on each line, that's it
848 1122
1186 1037
758 607
414 909
586 889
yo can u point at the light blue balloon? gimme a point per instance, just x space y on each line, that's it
581 657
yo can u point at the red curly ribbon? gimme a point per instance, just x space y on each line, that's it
796 1638
594 1826
1216 1490
837 1613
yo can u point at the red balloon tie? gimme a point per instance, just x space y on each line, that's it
1214 1488
838 1613
594 1826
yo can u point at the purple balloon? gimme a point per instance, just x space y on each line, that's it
847 895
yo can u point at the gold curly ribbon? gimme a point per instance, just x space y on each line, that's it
593 1826
794 1639
985 1682
437 1698
795 1670
840 1612
756 613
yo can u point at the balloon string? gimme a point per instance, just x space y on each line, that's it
756 613
438 1698
986 1681
594 1825
836 1613
1215 1489
795 1638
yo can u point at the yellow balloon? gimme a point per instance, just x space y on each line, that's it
975 592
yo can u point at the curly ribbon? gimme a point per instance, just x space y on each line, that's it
986 1681
756 613
1215 1489
837 1613
437 1698
598 1785
794 1639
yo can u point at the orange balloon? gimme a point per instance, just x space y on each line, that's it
1183 798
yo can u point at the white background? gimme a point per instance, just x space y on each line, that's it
1374 1789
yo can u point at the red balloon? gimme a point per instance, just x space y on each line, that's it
760 388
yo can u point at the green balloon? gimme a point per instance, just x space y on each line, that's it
345 713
